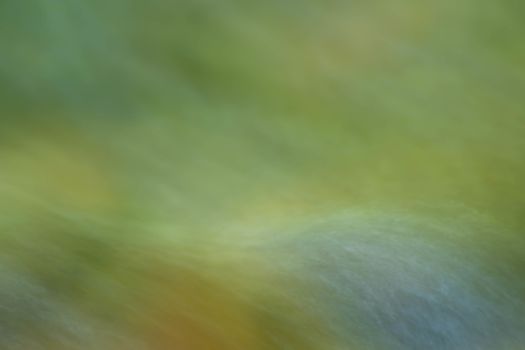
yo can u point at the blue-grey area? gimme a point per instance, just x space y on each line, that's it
33 317
394 282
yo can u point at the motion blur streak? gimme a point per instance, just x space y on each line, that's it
262 175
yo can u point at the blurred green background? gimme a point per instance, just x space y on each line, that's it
133 128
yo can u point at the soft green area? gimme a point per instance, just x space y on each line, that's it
144 132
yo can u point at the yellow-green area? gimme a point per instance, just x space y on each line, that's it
145 143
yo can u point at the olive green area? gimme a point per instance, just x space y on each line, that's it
139 136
